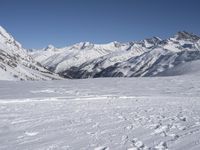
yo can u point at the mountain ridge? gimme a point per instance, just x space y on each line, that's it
17 64
147 57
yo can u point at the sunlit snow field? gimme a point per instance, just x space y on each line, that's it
101 114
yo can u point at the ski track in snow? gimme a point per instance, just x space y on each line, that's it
101 114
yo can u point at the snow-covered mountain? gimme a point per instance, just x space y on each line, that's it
192 67
148 57
16 64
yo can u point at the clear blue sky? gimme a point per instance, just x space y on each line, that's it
37 23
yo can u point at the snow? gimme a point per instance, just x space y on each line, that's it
117 113
16 64
5 33
192 67
80 53
102 114
148 57
9 41
6 75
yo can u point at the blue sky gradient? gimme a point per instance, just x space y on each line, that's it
37 23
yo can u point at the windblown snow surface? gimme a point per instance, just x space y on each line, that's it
156 113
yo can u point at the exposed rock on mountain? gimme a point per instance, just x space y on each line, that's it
16 64
148 57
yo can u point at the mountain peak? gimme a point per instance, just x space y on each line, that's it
50 48
183 35
83 45
114 44
7 39
151 41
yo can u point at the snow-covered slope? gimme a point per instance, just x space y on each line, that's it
144 58
192 67
62 59
160 113
16 64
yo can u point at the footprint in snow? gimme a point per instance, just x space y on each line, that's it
161 146
162 130
101 148
180 127
125 139
138 145
182 118
174 136
129 127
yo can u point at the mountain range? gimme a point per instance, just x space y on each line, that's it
149 57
